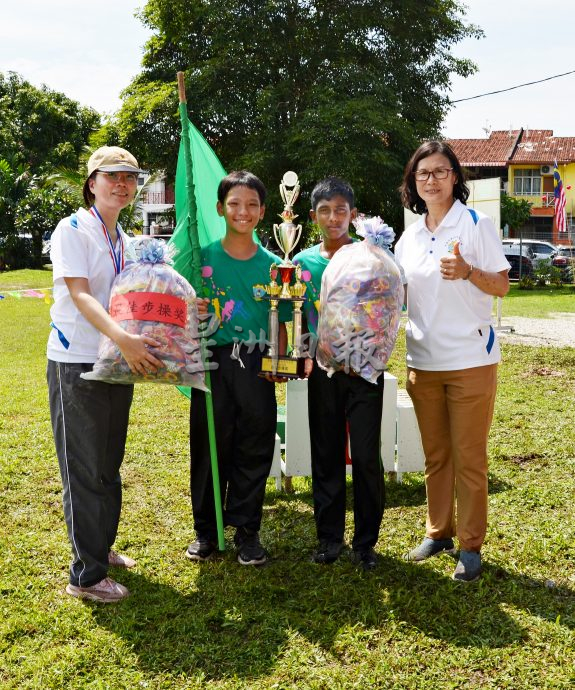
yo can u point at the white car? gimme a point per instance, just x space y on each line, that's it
542 250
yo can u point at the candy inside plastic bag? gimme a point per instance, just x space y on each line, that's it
150 298
360 306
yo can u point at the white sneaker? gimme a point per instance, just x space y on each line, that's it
106 591
119 561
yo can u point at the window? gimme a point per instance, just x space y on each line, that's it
527 182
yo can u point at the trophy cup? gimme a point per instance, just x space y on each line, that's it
287 235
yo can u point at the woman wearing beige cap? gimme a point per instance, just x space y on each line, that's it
90 418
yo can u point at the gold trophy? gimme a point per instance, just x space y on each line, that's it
287 235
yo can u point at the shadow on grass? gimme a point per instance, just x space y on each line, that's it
408 493
238 622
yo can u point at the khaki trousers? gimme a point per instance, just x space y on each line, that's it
454 410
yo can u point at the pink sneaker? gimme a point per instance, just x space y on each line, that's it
106 591
119 561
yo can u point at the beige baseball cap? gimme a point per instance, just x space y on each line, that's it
112 159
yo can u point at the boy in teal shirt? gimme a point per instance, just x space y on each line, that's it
245 410
340 400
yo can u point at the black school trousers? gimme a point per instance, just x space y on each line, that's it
245 415
90 425
331 403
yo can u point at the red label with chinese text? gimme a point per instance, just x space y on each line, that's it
149 306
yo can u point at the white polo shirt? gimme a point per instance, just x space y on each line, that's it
449 323
79 250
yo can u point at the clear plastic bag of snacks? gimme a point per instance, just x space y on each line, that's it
360 304
150 298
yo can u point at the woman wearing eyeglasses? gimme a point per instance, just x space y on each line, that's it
90 418
453 263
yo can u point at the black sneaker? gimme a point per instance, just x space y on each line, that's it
250 550
201 550
327 552
366 558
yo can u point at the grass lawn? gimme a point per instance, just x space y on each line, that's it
292 624
540 302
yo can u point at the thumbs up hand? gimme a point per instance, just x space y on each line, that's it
453 266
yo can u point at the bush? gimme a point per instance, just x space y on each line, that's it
15 252
546 273
526 283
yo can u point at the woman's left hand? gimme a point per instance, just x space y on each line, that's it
135 350
454 266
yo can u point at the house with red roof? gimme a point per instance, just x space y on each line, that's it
524 160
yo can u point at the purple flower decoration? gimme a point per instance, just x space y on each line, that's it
155 251
374 230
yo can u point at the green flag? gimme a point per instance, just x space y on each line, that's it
207 171
193 229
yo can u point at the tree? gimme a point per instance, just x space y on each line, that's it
514 212
15 180
39 212
346 87
41 128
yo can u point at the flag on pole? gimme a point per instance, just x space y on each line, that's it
187 239
207 171
560 201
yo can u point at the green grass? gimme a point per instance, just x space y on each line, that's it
539 303
292 624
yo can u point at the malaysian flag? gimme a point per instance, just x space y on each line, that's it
560 201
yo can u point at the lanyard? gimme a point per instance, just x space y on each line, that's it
117 258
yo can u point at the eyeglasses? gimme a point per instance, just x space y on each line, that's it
130 178
438 174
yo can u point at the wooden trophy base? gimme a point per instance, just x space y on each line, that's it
284 366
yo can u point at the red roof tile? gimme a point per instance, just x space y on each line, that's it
540 146
504 148
494 151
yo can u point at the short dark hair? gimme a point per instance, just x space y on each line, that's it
409 196
87 193
241 178
330 187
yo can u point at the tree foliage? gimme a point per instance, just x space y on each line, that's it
323 87
15 180
514 212
38 213
41 128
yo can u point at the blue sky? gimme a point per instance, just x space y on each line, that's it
91 51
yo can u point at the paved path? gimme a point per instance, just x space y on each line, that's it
556 331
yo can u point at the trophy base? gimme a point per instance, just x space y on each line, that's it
284 366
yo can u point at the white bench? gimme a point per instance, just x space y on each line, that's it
401 449
276 469
409 451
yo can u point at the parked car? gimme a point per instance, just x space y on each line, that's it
46 246
525 260
564 259
542 250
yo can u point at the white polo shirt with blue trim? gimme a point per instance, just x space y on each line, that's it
450 324
79 250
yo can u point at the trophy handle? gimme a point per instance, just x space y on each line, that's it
276 229
298 235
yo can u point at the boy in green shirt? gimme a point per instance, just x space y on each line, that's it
245 410
340 400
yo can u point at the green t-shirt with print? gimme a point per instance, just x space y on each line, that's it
236 302
313 264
